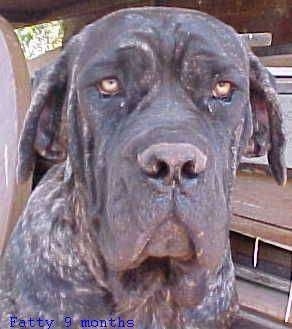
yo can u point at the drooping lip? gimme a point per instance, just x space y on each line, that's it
145 240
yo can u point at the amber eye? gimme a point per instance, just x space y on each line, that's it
109 86
222 89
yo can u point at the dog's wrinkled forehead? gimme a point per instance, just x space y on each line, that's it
163 29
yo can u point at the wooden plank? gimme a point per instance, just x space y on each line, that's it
258 39
275 15
262 278
281 71
34 14
226 5
284 85
31 5
272 234
262 300
277 60
93 7
243 16
283 48
14 100
248 16
261 199
251 320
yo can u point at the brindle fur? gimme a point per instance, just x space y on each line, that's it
87 242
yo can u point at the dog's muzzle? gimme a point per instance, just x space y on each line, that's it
171 165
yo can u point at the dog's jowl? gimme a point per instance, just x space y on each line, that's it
157 106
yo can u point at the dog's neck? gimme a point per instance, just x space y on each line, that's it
156 306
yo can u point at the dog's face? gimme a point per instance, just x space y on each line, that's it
159 111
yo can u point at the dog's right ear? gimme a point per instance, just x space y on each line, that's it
268 133
41 128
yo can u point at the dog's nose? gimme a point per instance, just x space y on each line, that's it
172 161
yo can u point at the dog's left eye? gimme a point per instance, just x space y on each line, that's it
222 90
109 86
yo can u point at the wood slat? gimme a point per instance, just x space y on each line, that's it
250 320
264 279
248 16
99 8
258 39
265 301
281 237
259 198
277 60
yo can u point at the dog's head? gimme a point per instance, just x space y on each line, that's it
160 105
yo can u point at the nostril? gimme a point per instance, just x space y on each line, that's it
160 169
189 170
172 162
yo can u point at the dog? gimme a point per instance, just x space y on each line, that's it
157 105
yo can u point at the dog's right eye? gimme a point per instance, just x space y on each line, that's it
109 86
222 90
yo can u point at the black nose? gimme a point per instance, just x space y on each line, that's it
172 161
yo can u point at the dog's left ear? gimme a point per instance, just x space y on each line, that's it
268 135
42 123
